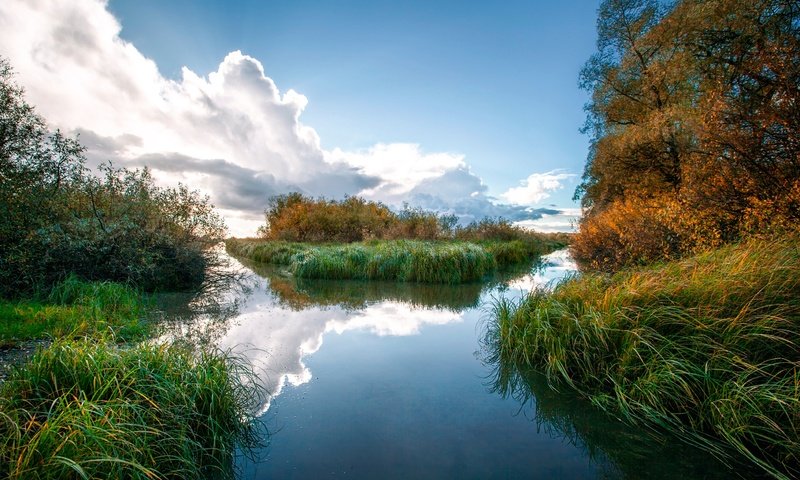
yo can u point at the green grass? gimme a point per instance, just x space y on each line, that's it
89 409
442 262
708 347
75 308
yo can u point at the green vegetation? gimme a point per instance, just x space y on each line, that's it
87 409
94 404
707 346
449 262
75 308
57 218
410 246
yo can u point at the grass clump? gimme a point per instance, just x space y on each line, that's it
405 261
708 347
75 308
88 409
444 262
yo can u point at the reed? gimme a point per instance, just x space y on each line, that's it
89 409
441 262
708 347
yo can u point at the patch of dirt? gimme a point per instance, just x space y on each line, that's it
17 354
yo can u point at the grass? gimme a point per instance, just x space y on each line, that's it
96 404
75 308
441 262
708 347
88 409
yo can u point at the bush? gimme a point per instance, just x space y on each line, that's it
57 219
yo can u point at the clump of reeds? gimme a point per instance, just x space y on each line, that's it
708 347
405 261
448 262
258 250
89 409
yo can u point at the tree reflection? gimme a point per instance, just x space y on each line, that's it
299 294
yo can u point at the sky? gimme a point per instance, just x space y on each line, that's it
470 108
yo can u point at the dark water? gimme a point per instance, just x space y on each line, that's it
385 380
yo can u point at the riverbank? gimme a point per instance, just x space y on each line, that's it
441 261
83 395
708 347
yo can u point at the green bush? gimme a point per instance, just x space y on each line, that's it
57 218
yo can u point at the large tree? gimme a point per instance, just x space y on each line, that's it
694 127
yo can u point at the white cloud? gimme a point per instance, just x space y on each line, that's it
565 220
535 188
401 165
232 134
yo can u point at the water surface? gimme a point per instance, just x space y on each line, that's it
392 380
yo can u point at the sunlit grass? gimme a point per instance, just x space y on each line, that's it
709 346
90 409
75 308
446 262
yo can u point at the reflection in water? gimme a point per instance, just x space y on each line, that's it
621 450
415 404
277 340
298 293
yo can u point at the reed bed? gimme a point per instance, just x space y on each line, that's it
89 409
708 347
441 262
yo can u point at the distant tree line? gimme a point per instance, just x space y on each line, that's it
57 218
298 218
695 128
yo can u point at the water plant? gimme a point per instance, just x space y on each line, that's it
708 347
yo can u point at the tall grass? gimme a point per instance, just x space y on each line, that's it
443 262
708 347
405 261
88 409
75 308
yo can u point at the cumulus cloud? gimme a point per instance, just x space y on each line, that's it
565 220
535 188
232 133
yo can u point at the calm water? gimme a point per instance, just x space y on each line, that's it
385 380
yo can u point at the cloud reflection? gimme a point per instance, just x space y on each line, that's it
276 339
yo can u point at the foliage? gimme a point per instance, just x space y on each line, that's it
297 218
693 117
87 409
75 308
56 218
706 346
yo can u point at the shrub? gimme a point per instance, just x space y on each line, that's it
57 219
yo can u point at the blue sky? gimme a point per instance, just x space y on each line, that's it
487 90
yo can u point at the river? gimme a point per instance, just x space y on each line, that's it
387 380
